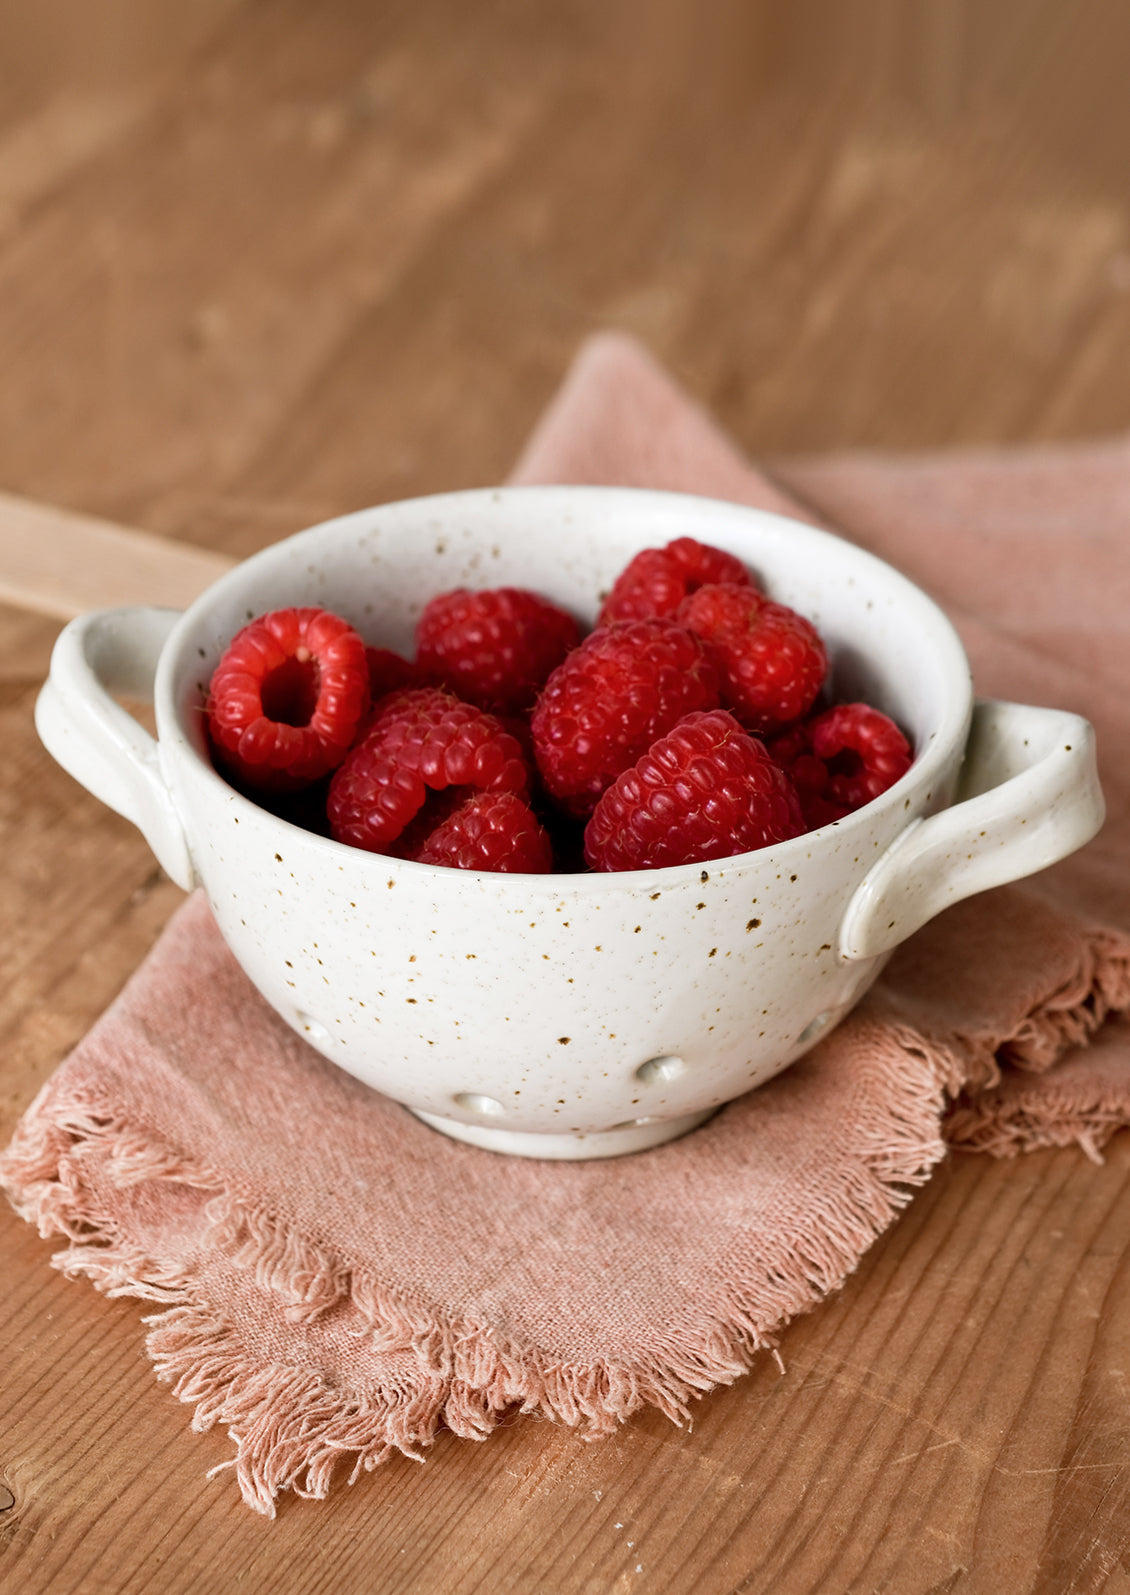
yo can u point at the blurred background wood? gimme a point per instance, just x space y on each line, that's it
260 263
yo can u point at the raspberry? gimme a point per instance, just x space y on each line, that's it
419 742
494 648
771 660
657 580
493 831
286 699
792 750
863 750
606 703
705 790
391 672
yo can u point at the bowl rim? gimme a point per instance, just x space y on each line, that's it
175 739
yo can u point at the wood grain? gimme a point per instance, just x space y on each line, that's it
286 260
57 563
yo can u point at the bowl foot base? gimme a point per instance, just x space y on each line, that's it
636 1137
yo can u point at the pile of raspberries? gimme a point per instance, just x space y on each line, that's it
688 725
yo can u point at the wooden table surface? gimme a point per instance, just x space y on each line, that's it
260 263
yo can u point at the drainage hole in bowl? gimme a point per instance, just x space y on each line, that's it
317 1031
660 1071
475 1102
812 1029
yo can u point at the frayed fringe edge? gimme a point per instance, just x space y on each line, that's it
1068 1017
293 1429
1005 1129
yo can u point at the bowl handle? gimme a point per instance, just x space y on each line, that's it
1028 795
95 740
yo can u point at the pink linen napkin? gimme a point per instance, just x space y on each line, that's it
332 1280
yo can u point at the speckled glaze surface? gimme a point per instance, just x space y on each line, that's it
571 1016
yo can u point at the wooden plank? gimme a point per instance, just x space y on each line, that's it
954 1416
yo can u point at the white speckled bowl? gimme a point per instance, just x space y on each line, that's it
571 1015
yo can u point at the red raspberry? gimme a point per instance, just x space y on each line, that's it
792 750
657 580
606 703
494 648
391 672
419 742
287 697
493 831
863 750
771 660
705 790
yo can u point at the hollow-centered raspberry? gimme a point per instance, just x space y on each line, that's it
862 749
286 699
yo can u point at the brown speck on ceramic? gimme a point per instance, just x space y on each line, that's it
752 924
563 1041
